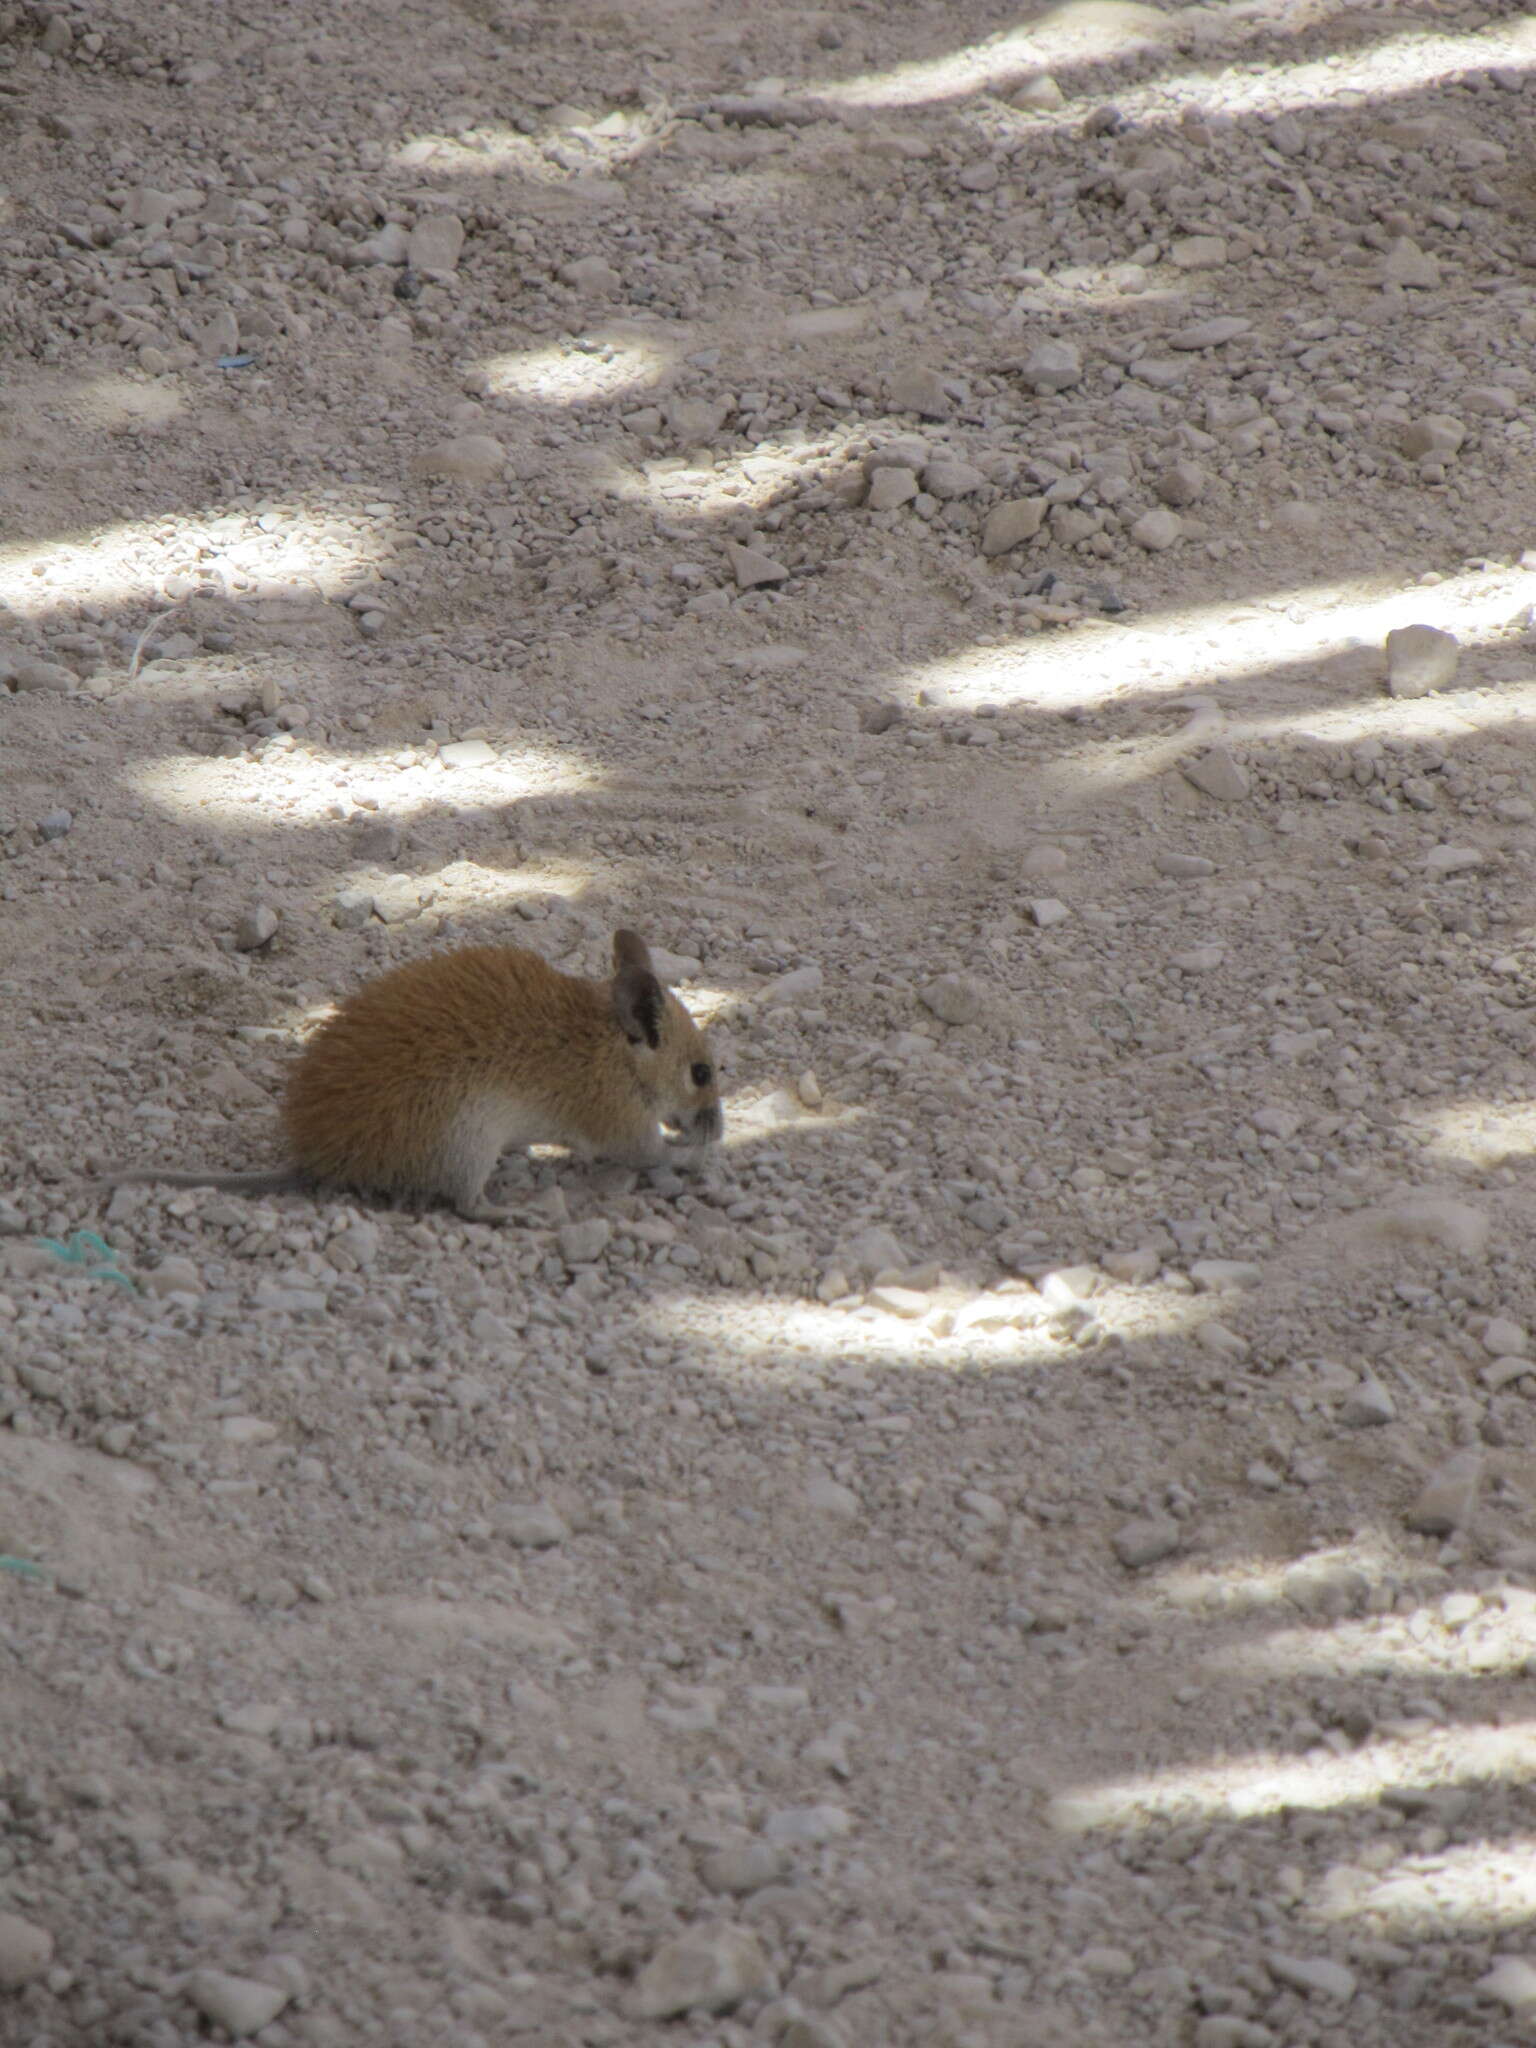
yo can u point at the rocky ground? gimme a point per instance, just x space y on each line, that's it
1037 1545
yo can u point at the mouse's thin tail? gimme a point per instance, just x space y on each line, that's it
275 1180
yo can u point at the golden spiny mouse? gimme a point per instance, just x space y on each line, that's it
421 1080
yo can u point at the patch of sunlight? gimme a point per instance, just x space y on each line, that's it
708 1004
602 367
304 548
1465 1885
1105 31
1494 1643
1262 1783
1477 1135
1091 771
778 1113
1099 30
961 1330
476 889
571 145
1392 69
1202 646
1448 714
488 150
303 788
1254 1585
754 480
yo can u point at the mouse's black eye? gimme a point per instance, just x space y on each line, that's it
702 1073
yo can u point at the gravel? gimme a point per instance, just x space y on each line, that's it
1008 554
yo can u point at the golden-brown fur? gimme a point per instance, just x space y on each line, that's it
426 1075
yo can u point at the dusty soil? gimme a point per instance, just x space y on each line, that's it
1036 1544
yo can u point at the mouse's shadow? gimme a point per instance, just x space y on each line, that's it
541 1182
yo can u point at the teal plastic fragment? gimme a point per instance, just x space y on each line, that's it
93 1255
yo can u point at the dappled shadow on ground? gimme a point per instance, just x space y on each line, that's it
1284 1646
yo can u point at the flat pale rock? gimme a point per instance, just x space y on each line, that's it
674 967
30 672
754 567
1070 524
708 1969
1279 1123
465 458
351 909
953 999
830 1497
1181 483
1316 1976
1163 373
1437 434
173 1275
581 1243
1198 252
390 245
807 1826
790 987
905 1302
591 274
890 487
746 1868
946 478
241 1429
1011 523
1210 333
1405 263
1133 1268
823 323
225 1083
1452 860
436 242
901 451
1445 1502
1420 659
256 928
1143 1543
1299 517
26 1950
1217 774
1068 1285
1504 1339
467 754
241 2005
1157 529
1225 1276
398 898
1051 366
530 1525
919 390
1039 94
1368 1406
1439 1222
1491 401
695 420
1512 1982
873 1250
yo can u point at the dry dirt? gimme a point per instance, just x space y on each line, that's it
1036 1546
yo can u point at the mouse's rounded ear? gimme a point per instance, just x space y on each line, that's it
630 950
639 1000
